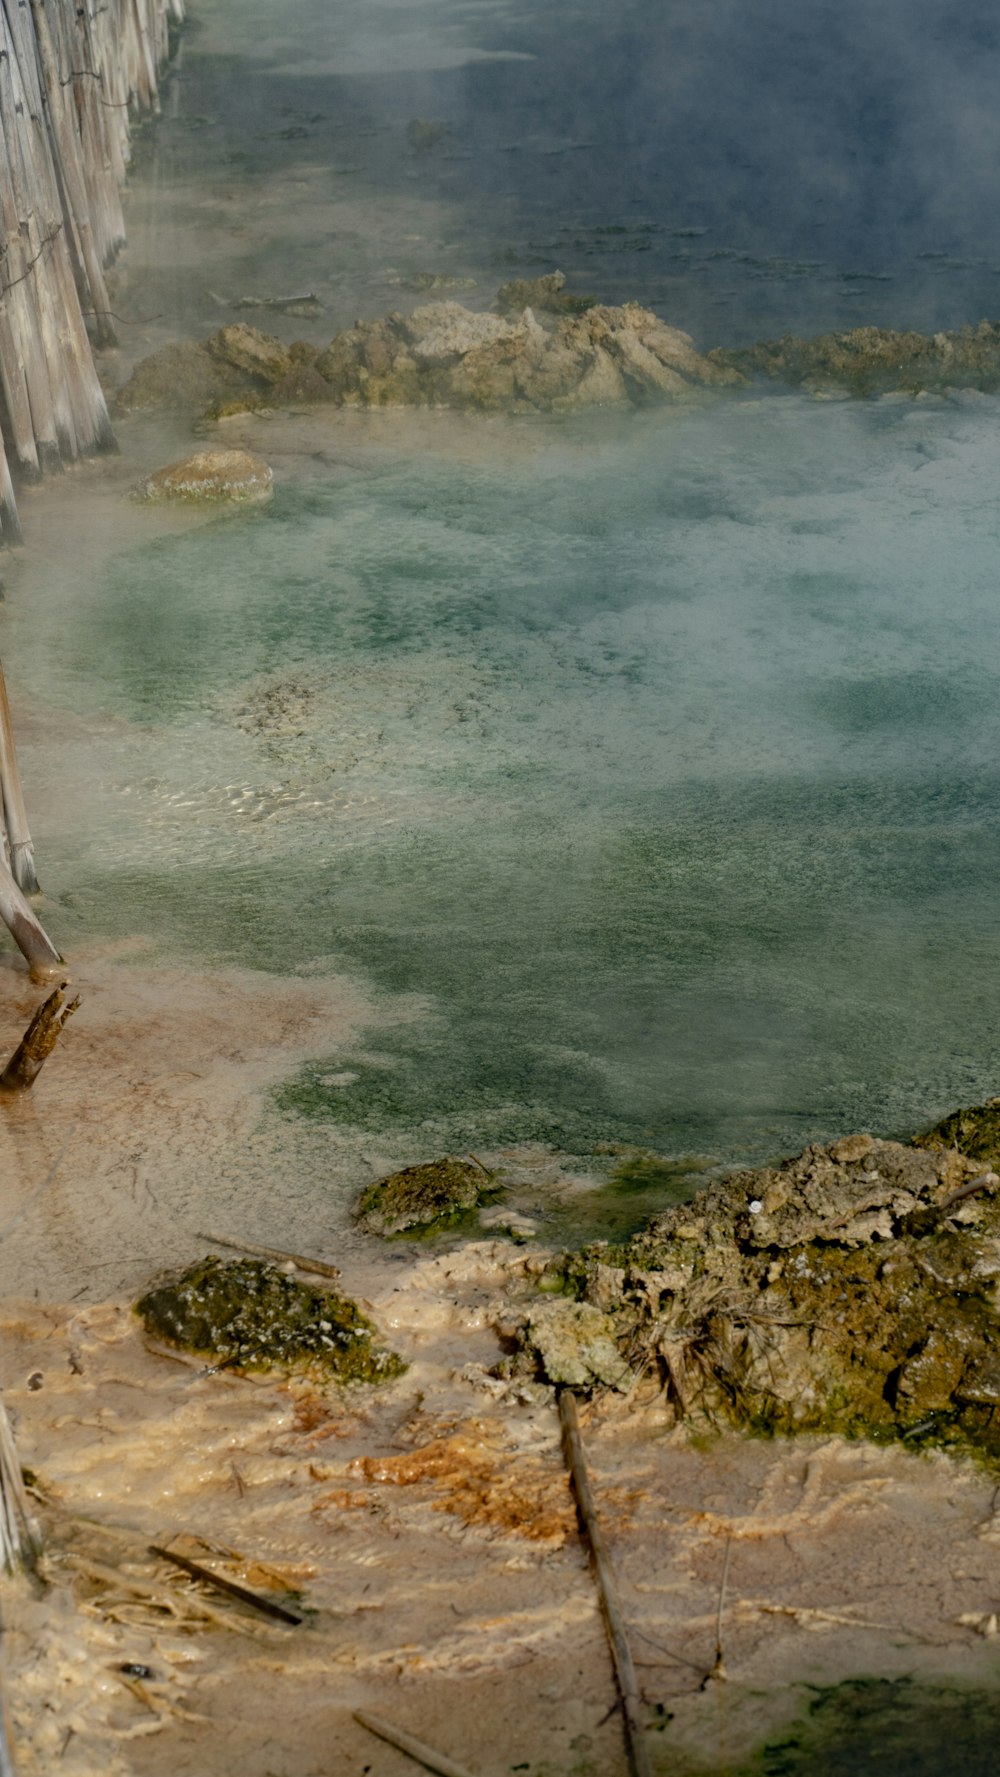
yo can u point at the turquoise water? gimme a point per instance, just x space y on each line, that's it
652 758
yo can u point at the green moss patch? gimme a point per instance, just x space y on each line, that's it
975 1131
892 1727
246 1314
428 1196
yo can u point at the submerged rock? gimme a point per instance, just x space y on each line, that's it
422 1196
248 1314
848 1290
876 360
548 293
211 475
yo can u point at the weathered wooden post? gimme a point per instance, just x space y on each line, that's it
22 852
70 72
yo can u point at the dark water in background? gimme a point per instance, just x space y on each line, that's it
744 167
655 756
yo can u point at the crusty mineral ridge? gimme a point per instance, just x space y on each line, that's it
853 1289
211 476
442 355
876 360
445 355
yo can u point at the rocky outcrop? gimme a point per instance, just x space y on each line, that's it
211 476
442 355
445 355
875 360
183 376
852 1290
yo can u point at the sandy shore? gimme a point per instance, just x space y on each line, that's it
429 1533
427 1527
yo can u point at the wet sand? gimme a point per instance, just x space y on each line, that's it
429 1534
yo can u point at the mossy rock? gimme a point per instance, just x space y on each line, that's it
424 1196
246 1314
975 1132
850 1290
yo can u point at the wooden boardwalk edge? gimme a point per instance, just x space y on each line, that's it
72 74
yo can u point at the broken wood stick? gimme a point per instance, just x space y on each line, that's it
25 929
38 1041
162 1597
424 1755
231 1587
22 855
607 1587
299 1260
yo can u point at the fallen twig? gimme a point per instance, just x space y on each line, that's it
719 1667
301 1263
424 1755
231 1587
621 1653
159 1596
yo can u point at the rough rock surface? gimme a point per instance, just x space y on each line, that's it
211 475
446 355
876 360
246 348
420 1196
248 1314
575 1343
443 355
182 376
975 1131
847 1290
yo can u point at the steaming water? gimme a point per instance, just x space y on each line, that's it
651 759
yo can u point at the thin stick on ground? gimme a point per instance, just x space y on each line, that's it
38 1041
198 1571
621 1653
424 1755
719 1668
299 1260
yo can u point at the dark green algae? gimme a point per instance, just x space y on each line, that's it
431 1196
246 1314
879 1727
975 1130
